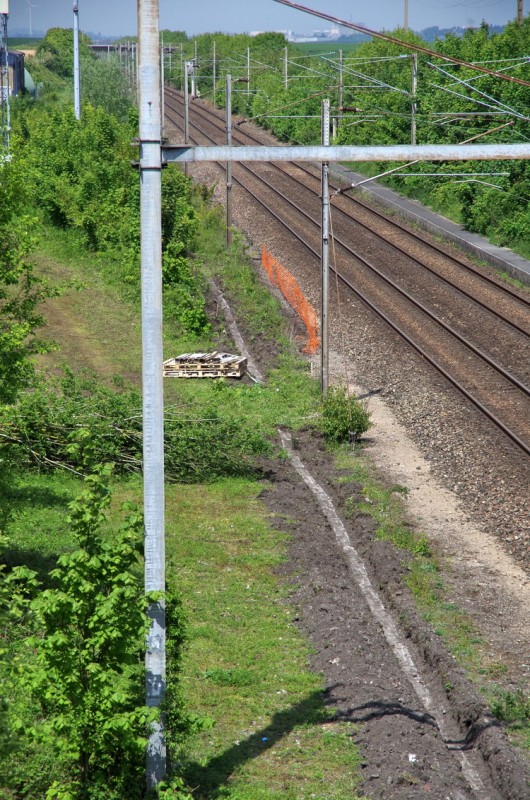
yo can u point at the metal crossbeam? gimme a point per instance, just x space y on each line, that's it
426 152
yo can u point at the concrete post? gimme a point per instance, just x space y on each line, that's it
214 75
324 352
229 163
414 90
152 387
186 111
248 70
77 86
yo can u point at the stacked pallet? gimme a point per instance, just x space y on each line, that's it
205 365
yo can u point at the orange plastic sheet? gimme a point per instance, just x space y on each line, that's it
286 283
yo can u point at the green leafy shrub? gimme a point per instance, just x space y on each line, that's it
512 707
86 675
42 428
21 292
82 176
343 417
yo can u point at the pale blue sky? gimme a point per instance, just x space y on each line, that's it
118 17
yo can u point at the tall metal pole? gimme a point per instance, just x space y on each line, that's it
214 75
324 351
162 82
153 404
406 16
5 100
186 111
229 163
286 68
414 90
137 57
341 84
248 70
520 12
337 119
181 57
77 86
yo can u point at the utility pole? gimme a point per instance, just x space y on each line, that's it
406 16
192 67
77 86
228 163
152 386
162 83
186 111
414 91
337 119
5 120
248 70
214 75
181 58
324 352
520 12
286 69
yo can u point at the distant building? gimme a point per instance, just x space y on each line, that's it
14 80
288 34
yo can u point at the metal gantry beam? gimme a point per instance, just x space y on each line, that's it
424 152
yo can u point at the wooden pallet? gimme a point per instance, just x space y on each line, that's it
205 365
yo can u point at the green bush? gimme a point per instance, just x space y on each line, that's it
343 417
41 430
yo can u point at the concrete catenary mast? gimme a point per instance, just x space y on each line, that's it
5 117
152 387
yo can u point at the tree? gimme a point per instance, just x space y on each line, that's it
21 292
56 51
87 676
104 85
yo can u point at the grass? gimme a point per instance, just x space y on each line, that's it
247 666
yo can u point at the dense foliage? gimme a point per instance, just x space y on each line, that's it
79 696
56 51
344 419
200 443
82 179
21 292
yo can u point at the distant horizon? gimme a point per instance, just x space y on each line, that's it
110 20
21 33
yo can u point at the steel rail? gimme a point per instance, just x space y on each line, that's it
402 250
373 306
394 223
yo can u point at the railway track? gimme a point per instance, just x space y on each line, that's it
472 329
